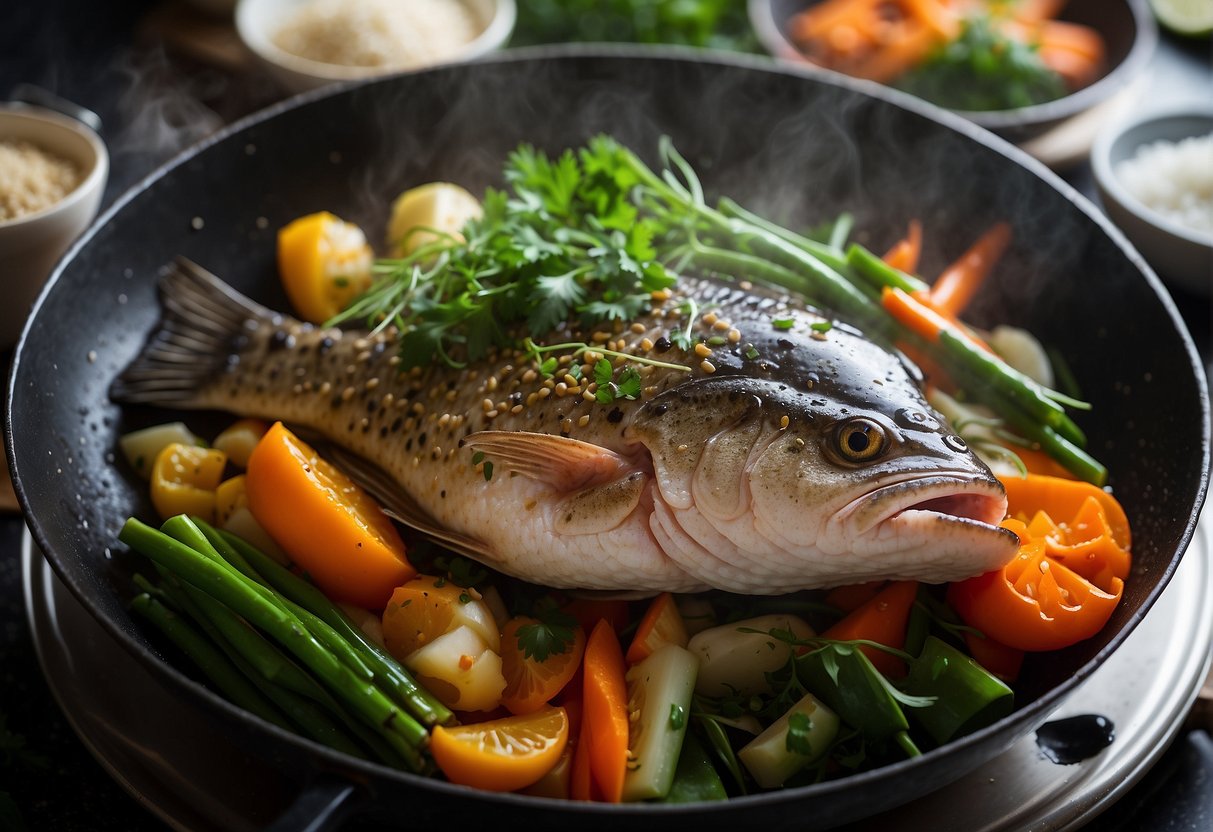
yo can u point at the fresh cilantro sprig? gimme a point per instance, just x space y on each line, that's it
564 240
551 635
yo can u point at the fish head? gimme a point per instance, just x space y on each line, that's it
763 485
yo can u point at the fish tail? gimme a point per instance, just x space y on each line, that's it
203 323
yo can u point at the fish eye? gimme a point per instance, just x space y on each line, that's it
860 440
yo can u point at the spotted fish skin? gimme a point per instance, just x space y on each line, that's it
730 472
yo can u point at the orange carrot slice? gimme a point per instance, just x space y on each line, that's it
605 712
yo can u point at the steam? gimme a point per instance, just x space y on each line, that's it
162 108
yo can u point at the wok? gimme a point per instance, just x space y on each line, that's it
794 144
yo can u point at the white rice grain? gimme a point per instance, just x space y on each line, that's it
32 179
1174 179
396 34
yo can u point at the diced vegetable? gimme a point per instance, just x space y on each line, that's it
142 447
662 624
238 440
232 514
851 596
530 682
184 479
999 659
733 661
695 778
502 755
327 525
845 680
1063 498
460 669
967 697
796 739
425 607
425 214
1035 603
605 718
324 263
555 783
659 709
881 619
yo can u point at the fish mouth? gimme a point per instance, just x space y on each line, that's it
947 498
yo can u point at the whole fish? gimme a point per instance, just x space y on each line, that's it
783 453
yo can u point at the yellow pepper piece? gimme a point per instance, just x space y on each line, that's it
184 479
239 439
324 262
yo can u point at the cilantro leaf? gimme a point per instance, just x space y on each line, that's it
551 635
800 727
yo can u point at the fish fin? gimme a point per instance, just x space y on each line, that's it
600 507
563 463
202 319
398 505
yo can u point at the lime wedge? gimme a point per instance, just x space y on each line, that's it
1185 17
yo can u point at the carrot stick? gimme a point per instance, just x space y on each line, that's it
913 315
605 715
662 624
882 619
896 55
852 596
905 253
960 281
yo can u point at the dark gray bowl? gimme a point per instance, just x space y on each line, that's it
1127 26
1179 253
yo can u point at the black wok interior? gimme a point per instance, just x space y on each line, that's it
794 145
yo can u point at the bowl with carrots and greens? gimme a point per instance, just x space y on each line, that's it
1016 67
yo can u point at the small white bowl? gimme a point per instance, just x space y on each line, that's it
1179 253
30 245
258 20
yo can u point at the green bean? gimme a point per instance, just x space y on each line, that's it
214 665
234 590
420 702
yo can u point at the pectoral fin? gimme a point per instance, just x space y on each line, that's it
564 464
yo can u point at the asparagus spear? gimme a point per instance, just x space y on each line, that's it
237 592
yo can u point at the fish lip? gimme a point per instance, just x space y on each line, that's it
950 497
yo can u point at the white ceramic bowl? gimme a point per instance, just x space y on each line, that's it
1179 254
258 20
31 244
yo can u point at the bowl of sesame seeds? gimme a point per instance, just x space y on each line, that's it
52 173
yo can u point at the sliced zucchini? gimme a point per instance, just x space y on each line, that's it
659 708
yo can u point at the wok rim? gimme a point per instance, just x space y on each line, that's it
360 771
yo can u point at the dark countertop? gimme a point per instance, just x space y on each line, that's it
153 105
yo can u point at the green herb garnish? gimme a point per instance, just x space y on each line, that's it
551 635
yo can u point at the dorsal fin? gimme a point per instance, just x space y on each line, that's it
564 464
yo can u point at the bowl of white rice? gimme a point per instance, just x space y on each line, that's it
1155 178
310 43
52 174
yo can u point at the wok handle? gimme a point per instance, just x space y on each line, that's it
321 806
